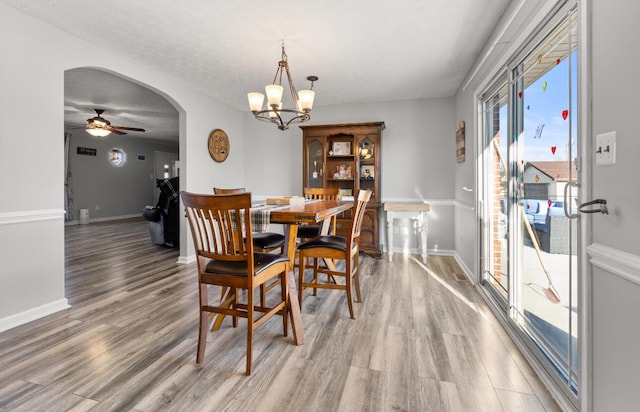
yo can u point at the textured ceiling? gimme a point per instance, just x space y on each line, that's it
362 50
124 103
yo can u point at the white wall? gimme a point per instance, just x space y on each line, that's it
610 299
118 191
616 248
418 155
465 176
34 58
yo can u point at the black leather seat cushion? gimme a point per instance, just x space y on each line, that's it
332 242
268 240
261 261
308 231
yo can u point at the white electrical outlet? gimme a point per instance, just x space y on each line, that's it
606 149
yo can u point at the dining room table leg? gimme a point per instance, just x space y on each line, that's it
325 226
290 234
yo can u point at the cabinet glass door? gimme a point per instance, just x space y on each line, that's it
367 164
315 167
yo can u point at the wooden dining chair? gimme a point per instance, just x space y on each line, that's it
262 241
318 193
335 247
222 236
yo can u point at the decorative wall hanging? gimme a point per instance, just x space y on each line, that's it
117 157
86 151
218 145
460 142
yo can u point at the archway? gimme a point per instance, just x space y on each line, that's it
106 193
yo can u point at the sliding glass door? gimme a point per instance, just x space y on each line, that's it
530 186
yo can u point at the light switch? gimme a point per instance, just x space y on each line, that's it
606 149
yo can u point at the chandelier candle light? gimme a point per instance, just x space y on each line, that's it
302 100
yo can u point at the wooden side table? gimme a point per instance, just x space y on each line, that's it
407 210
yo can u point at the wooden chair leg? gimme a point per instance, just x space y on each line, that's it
250 324
356 277
204 323
349 297
202 336
285 299
235 305
302 260
316 264
263 295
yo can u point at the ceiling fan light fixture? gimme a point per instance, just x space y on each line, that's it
274 113
98 126
97 132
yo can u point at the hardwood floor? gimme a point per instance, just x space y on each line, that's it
421 341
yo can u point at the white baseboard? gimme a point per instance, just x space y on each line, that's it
32 314
104 219
185 260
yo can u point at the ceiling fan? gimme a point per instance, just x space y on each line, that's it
101 127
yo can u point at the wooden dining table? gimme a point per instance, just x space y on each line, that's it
315 211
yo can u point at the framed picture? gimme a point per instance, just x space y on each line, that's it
345 192
460 142
341 148
367 172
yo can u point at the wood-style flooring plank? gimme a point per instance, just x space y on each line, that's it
422 340
363 391
516 401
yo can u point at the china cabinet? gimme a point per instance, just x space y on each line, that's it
347 157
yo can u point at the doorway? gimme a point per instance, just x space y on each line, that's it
106 192
530 183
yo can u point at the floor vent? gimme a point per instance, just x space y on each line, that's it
460 277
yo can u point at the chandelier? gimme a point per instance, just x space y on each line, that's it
274 113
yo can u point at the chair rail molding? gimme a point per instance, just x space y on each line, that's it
464 205
617 262
11 218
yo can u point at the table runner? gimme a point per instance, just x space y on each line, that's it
261 215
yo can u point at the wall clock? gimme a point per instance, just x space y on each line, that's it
218 145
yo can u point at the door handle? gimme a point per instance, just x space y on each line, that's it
567 200
584 208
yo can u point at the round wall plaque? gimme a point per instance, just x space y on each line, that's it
218 145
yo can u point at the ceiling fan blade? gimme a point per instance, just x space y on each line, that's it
133 129
116 131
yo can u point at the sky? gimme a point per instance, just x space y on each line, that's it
544 126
